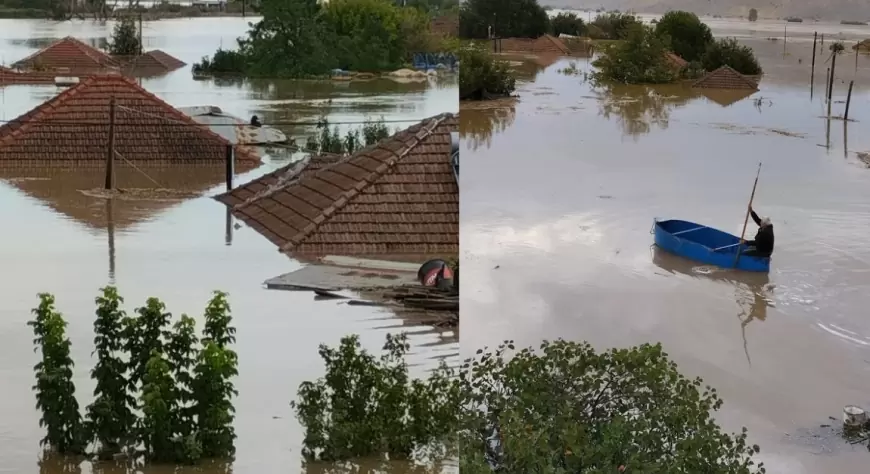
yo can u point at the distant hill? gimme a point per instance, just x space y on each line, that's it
820 9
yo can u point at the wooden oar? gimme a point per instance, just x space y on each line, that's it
746 219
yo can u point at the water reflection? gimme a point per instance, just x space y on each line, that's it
61 190
478 122
639 108
752 291
56 464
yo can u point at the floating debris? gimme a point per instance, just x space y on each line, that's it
141 194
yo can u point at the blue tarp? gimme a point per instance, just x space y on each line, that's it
425 61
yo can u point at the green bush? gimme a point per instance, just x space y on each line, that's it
613 25
224 62
728 52
567 23
640 59
482 76
689 37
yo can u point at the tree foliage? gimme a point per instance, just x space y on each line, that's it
753 14
502 18
125 38
640 59
55 390
567 23
483 76
728 52
366 405
110 418
564 408
330 140
612 25
304 38
689 36
567 408
157 387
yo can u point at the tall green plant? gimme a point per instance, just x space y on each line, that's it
482 76
640 59
125 38
110 420
158 403
181 356
55 390
367 406
145 334
213 388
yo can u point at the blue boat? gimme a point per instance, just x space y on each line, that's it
706 245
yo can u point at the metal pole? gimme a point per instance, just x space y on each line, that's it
110 153
229 166
813 67
848 101
831 82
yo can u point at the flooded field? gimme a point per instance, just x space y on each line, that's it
558 202
58 240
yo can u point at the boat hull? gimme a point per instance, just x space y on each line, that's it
706 245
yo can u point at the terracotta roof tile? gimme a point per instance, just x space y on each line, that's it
398 197
152 63
68 56
11 76
546 44
726 78
72 130
675 60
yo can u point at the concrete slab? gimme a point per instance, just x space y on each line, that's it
334 278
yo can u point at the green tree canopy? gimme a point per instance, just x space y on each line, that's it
640 59
613 25
366 34
728 52
753 14
508 19
568 23
689 36
567 408
483 76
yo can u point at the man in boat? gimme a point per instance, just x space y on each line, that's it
762 245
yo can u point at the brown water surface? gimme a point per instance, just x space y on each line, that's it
559 195
59 240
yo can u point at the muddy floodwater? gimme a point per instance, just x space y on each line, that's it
57 240
559 195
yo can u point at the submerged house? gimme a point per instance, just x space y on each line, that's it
725 86
150 63
74 128
397 200
69 56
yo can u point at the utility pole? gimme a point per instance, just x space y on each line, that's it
110 155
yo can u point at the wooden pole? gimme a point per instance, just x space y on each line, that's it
856 62
784 37
229 166
827 80
244 5
746 219
848 101
831 83
823 40
813 67
140 35
110 153
228 227
110 230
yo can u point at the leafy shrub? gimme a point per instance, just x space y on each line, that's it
330 140
125 38
728 52
143 365
689 37
365 405
567 408
223 62
640 59
481 75
567 23
613 25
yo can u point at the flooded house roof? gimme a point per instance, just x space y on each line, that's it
675 60
546 44
69 56
11 76
396 199
282 176
726 78
152 63
72 129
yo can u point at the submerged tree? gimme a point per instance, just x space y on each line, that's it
125 38
640 59
568 408
110 420
55 390
753 14
213 388
181 357
145 334
158 403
